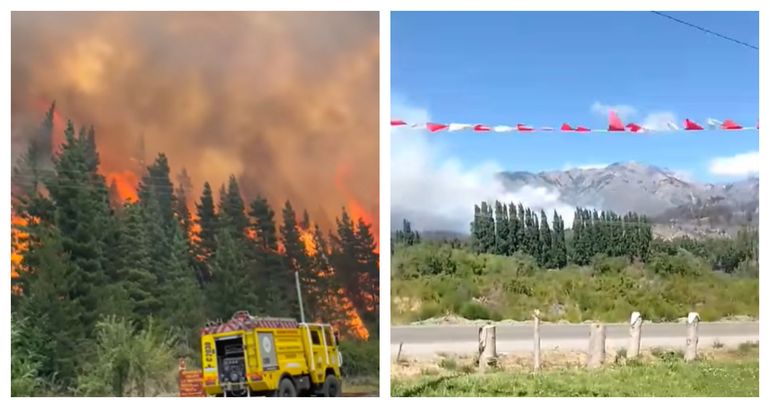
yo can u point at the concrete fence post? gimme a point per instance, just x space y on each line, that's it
487 346
635 331
596 346
691 350
536 338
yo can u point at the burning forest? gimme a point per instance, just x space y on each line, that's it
215 164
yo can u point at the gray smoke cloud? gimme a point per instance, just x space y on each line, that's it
288 102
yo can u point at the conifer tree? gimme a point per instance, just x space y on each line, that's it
547 257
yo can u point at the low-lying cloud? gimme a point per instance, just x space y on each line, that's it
437 192
743 165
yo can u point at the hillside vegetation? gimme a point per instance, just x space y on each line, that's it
604 268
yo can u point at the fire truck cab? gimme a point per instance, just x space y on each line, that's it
256 356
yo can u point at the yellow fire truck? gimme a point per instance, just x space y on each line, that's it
252 356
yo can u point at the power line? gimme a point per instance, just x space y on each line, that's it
705 30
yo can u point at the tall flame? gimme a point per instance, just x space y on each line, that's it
306 236
354 207
125 182
19 243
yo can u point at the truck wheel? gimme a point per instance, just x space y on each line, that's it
332 386
286 388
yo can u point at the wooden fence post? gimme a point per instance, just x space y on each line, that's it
398 356
596 349
691 351
487 346
635 330
536 353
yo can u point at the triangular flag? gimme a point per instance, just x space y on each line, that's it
454 127
634 127
566 127
396 122
730 125
615 125
582 129
481 128
435 127
546 129
672 126
690 125
503 128
524 128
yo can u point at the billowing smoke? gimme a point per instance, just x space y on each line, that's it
287 102
436 192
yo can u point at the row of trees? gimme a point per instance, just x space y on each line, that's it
86 256
507 229
608 233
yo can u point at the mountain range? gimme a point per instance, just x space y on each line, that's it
665 196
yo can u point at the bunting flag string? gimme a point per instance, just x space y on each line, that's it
614 125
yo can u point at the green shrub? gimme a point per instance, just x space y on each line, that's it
474 311
604 265
360 358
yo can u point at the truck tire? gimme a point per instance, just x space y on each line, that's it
286 388
332 386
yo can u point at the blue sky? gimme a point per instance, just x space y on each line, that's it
545 68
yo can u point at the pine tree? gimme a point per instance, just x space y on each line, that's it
156 185
82 217
56 334
514 229
559 242
137 280
208 222
369 275
502 238
232 210
547 257
264 223
579 238
225 293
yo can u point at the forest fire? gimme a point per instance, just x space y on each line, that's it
307 239
18 243
355 209
125 183
213 117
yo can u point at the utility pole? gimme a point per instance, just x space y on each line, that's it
299 297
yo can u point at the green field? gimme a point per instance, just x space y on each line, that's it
662 379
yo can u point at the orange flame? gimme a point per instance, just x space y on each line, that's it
19 243
355 209
126 183
309 241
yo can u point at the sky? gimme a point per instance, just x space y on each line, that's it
546 68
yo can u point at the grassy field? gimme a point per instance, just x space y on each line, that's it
734 374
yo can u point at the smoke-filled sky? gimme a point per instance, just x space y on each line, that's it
288 102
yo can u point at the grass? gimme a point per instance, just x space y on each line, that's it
660 379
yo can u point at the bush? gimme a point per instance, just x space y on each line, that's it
128 361
360 358
474 311
604 265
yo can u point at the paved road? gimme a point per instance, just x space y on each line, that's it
429 340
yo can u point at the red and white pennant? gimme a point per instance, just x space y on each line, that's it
614 125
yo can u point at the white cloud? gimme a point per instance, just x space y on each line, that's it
626 112
659 120
437 192
744 164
